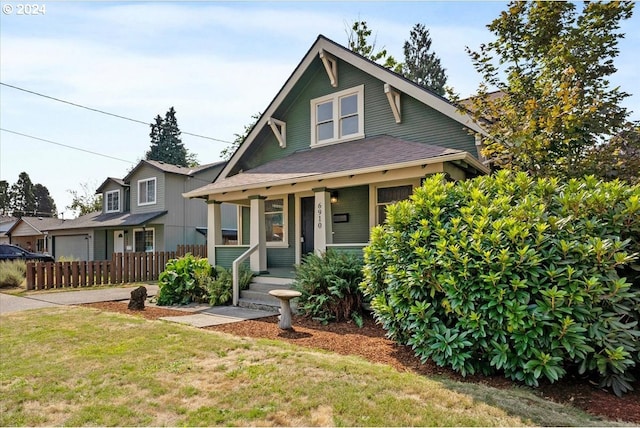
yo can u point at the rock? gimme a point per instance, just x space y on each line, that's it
138 297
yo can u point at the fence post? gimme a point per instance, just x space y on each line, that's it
31 271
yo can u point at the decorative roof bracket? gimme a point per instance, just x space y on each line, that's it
279 129
394 101
331 66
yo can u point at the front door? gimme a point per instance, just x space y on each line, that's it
306 207
118 241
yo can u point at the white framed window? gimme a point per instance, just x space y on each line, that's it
144 240
390 195
112 201
147 191
338 117
275 219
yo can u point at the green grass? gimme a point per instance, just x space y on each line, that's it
78 366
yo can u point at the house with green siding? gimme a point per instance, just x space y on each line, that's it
341 140
142 212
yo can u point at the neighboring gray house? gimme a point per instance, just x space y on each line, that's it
144 211
6 223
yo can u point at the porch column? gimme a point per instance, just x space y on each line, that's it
214 229
323 226
258 235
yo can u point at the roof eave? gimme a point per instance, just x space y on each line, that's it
459 156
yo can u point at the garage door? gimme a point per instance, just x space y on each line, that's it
74 247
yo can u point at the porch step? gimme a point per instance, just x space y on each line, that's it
258 297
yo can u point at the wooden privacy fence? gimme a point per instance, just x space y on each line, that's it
123 268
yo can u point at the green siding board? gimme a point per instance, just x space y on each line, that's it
355 202
226 255
420 123
246 225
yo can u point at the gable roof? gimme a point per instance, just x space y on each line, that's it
355 157
118 181
172 169
396 80
38 224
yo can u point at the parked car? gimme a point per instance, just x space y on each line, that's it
13 252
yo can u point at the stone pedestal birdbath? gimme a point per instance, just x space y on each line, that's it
285 306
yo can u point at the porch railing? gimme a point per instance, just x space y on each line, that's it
235 269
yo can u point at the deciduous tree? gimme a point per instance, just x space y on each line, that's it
85 201
358 40
228 151
552 64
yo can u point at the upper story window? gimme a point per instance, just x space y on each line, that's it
338 117
112 201
147 191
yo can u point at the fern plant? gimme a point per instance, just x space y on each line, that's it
330 287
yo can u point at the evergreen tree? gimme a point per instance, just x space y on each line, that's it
23 199
45 206
166 145
5 200
420 64
552 66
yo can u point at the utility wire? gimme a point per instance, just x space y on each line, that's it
106 112
65 145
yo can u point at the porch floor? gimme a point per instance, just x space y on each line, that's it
280 272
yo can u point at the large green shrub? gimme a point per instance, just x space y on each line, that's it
183 281
507 273
12 273
329 284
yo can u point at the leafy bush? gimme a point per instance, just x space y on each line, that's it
12 273
220 288
183 281
507 273
330 286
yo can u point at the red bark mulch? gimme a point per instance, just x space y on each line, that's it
370 342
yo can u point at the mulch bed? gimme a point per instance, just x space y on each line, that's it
370 342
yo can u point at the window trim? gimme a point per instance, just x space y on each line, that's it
106 201
155 191
285 220
335 99
145 229
373 195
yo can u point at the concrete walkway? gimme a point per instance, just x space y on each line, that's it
200 315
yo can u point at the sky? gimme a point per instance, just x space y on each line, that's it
217 63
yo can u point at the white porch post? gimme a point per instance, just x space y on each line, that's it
322 224
214 229
258 235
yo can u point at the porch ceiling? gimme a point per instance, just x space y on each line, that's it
370 154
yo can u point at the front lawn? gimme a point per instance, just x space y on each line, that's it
79 366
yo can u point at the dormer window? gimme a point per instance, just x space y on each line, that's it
338 117
147 191
112 201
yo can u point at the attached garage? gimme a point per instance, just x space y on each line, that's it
71 247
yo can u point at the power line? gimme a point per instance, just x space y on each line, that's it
65 145
106 112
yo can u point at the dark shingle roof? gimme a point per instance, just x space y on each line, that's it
370 153
173 169
98 219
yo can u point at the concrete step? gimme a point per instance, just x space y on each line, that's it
258 297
